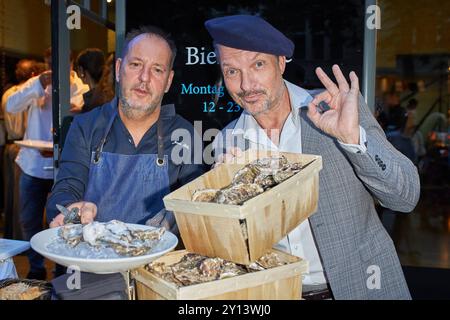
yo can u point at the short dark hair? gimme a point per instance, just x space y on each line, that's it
92 60
152 31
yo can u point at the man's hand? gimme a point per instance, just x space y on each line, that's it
342 120
46 79
87 211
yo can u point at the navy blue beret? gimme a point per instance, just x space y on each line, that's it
250 33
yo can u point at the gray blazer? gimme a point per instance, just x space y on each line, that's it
353 244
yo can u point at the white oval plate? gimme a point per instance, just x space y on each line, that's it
41 240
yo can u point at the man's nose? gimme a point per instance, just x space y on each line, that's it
247 81
144 76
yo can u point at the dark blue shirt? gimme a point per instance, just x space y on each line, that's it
85 134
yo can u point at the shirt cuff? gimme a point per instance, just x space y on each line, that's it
357 148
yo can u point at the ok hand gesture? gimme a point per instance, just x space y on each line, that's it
342 120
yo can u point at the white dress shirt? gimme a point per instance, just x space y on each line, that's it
298 242
31 96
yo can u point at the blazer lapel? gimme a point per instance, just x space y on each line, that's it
311 145
309 135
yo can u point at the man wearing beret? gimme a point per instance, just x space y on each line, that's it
351 256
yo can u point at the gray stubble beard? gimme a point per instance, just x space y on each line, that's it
133 113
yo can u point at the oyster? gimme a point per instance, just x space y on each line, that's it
272 163
114 234
270 260
72 234
287 172
239 193
144 235
194 269
253 179
189 261
189 277
282 175
246 175
231 269
211 267
164 272
265 180
206 195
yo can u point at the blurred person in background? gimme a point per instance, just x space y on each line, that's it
35 97
15 125
105 90
397 133
90 64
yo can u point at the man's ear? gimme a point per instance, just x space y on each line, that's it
118 65
169 81
282 63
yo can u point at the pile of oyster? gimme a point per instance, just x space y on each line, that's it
114 234
194 268
250 181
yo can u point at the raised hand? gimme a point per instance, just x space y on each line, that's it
45 78
342 120
88 212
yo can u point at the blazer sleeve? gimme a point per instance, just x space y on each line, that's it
389 175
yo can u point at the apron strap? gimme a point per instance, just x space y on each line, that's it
99 148
160 133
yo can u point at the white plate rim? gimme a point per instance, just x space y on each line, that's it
94 261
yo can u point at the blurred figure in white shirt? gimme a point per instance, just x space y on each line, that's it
37 176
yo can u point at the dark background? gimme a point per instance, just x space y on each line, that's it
324 32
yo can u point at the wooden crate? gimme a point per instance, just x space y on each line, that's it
216 230
281 283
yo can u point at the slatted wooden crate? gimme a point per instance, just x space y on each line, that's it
243 233
281 283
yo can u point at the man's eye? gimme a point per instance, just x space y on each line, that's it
259 64
231 72
134 64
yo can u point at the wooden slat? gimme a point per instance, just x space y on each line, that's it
213 237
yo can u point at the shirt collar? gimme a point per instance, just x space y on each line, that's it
247 125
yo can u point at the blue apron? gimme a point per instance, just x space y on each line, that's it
129 188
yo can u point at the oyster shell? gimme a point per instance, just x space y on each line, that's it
231 269
211 267
265 180
114 234
194 269
272 163
206 195
239 193
253 179
270 260
72 234
246 175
